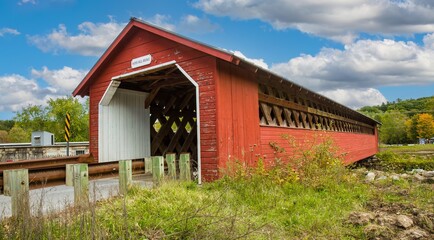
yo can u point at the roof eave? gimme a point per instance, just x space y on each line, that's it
83 89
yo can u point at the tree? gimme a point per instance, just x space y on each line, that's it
33 118
6 124
18 135
79 118
393 129
52 119
411 128
425 125
4 138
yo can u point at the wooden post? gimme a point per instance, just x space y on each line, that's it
148 165
158 169
69 180
81 183
171 164
184 167
16 185
125 176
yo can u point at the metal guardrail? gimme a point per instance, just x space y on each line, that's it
52 172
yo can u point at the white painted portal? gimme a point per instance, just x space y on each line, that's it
124 126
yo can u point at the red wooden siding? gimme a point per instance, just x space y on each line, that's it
237 112
200 66
354 146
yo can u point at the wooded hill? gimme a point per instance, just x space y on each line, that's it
404 121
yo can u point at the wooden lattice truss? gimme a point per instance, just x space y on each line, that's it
286 105
172 104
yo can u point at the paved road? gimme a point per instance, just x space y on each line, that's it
58 197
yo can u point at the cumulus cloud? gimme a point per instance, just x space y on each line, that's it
195 24
92 39
338 20
162 21
363 64
187 24
4 31
17 91
64 80
356 98
360 67
258 62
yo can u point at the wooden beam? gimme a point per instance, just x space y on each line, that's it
283 103
151 97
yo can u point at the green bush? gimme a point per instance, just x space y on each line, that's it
391 161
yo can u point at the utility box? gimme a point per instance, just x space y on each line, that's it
42 138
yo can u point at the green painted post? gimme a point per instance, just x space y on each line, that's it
16 185
158 169
125 176
81 183
148 165
184 167
171 164
69 181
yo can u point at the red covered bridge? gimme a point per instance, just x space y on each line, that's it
154 92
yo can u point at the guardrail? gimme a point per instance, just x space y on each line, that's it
52 171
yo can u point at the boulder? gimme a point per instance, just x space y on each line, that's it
370 177
360 218
428 174
404 221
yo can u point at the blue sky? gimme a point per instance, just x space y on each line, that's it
360 52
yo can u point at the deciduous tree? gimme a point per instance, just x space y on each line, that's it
393 129
425 125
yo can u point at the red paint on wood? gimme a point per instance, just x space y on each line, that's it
198 65
237 114
352 146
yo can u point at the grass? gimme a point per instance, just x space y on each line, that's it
407 148
400 162
309 200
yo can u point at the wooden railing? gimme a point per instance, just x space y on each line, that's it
285 109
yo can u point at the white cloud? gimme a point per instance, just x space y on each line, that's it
363 64
338 20
162 21
351 75
258 62
17 91
64 80
192 23
92 39
22 2
4 31
356 98
187 24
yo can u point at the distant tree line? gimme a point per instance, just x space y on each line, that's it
50 118
404 121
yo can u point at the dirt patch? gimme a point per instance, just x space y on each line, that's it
394 221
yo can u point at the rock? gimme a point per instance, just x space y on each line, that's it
395 177
404 221
370 177
428 174
405 175
413 233
418 170
360 218
419 177
381 178
385 219
373 231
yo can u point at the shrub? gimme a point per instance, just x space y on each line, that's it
391 161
